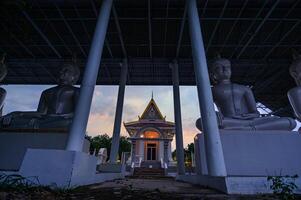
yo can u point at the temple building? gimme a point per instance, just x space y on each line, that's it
151 136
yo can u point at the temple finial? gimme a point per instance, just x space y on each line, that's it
152 94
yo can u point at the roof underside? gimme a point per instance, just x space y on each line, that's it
39 35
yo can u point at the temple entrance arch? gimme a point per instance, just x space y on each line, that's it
151 147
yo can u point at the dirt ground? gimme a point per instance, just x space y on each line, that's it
137 189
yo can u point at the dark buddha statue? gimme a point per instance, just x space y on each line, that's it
56 105
3 73
294 94
237 105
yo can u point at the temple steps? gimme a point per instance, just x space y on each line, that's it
143 172
151 164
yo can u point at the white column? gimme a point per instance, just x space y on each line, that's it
141 149
161 150
133 153
118 113
214 151
81 115
169 151
178 119
166 159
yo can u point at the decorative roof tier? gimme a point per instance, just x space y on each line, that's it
151 118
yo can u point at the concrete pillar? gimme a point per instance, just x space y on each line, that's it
118 113
166 151
178 119
81 115
141 149
169 151
214 152
133 153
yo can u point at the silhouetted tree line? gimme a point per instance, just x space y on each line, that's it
105 141
187 153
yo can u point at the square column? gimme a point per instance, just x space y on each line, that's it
166 160
133 152
178 119
118 114
214 151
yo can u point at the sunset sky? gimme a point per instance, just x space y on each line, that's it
26 98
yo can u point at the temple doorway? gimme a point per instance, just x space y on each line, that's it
151 151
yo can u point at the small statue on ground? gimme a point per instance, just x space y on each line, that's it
294 94
237 105
3 73
56 105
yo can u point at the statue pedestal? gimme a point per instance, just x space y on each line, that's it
13 145
250 157
110 167
248 185
63 168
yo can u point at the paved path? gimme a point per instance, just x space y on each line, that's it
157 189
136 189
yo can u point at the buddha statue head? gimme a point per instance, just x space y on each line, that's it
220 70
3 69
295 69
69 74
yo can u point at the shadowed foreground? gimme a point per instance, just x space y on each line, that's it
145 189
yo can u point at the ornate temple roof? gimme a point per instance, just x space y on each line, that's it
151 117
152 111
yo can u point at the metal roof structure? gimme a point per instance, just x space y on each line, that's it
38 36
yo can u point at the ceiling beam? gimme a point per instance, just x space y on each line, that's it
233 25
18 41
277 26
45 38
181 31
216 25
150 29
258 28
247 32
119 32
280 41
70 30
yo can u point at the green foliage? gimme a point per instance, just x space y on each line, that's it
16 182
187 153
283 186
105 141
100 141
190 147
124 145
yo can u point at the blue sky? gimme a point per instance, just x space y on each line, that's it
26 98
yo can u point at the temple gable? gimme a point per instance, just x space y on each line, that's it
152 112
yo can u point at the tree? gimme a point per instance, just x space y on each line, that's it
124 145
105 141
188 152
190 148
100 141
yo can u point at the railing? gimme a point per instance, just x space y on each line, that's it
163 164
140 161
136 164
